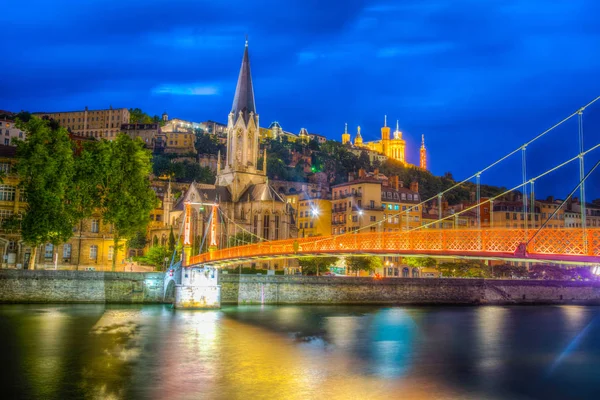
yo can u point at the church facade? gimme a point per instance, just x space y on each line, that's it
393 147
249 209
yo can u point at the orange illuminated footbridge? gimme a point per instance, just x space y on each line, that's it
567 246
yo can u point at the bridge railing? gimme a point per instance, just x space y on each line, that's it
561 241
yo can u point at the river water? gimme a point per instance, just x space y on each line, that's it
299 352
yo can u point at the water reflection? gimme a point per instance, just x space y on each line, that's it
123 352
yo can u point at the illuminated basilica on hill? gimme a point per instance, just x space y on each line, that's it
392 147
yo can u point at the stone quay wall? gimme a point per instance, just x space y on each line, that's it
25 286
39 286
346 290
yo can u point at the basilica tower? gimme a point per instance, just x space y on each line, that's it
345 135
385 137
241 169
423 158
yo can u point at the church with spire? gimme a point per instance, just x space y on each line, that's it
393 147
249 208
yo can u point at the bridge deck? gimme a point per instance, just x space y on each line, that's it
556 245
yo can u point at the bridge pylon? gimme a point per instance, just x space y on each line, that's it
199 288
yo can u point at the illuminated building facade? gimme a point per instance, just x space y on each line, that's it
248 204
104 124
393 147
313 215
90 247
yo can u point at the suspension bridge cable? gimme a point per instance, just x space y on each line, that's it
224 216
564 201
206 231
539 136
512 189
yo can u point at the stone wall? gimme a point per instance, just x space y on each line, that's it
24 286
341 290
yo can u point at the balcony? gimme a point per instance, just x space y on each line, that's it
353 194
340 209
338 222
368 208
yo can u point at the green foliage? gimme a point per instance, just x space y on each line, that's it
466 269
155 256
338 161
366 263
181 171
155 241
364 161
137 116
430 185
171 240
554 272
313 265
120 172
46 168
208 144
138 241
420 262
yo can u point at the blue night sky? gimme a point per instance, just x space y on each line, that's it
478 78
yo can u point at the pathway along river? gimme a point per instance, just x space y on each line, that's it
299 352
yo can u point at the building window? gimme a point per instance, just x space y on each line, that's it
277 227
372 218
95 226
5 167
111 252
66 251
6 141
48 251
93 252
7 193
4 215
266 222
255 225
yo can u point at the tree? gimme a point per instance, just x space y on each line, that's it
122 193
155 256
138 241
364 161
161 165
208 144
312 265
463 269
137 116
46 168
155 241
420 262
363 263
171 241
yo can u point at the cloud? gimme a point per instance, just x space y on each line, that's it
475 77
187 90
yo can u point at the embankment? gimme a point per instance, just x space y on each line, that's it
19 286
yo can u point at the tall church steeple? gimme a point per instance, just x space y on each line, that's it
243 101
397 133
423 151
385 131
241 167
345 135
